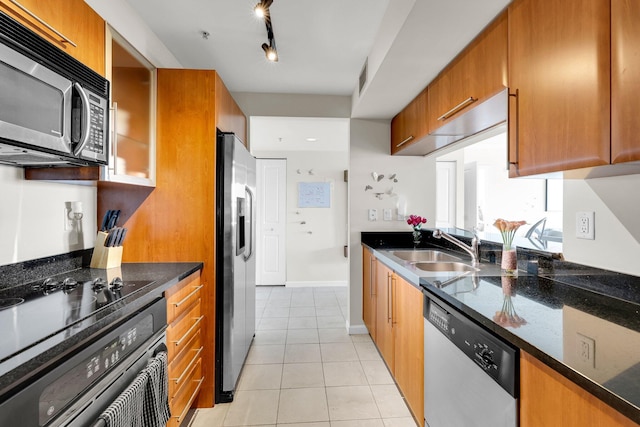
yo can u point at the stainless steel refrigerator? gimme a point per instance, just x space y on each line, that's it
235 261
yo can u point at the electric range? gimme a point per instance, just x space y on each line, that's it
55 308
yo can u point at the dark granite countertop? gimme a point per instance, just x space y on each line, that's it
24 365
558 305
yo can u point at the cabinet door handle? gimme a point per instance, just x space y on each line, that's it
400 144
388 297
180 417
113 165
393 303
371 277
177 343
517 139
188 368
64 38
457 108
185 299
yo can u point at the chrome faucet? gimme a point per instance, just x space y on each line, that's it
471 250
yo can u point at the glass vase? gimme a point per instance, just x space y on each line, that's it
417 236
509 263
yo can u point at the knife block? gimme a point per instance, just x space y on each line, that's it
104 257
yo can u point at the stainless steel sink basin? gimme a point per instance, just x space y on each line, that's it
445 266
424 256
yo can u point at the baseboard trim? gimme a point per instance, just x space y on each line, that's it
316 284
357 329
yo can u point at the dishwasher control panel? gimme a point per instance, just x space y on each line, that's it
439 317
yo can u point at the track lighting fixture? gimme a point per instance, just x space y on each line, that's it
262 11
270 52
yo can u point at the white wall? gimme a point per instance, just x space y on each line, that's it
616 205
124 19
315 249
32 217
416 183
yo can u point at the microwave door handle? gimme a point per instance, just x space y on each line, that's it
86 113
251 219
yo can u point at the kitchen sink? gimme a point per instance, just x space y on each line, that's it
445 266
424 256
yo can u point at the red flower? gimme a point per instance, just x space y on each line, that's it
416 221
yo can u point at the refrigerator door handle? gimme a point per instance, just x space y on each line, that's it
251 227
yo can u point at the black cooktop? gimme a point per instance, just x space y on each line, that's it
60 304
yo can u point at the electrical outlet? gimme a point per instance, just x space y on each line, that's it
585 225
586 350
373 214
386 214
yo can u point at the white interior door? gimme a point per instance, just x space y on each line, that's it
271 222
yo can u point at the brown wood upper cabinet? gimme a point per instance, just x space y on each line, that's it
70 25
625 80
559 78
477 73
229 116
410 124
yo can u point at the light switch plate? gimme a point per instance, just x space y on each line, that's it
585 225
386 214
373 214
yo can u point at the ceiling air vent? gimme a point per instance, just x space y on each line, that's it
363 76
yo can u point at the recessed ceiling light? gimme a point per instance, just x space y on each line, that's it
312 139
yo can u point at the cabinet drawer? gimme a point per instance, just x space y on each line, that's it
180 332
181 296
181 403
180 368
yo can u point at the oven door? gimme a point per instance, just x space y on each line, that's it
83 384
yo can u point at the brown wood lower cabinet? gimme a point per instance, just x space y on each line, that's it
409 344
368 291
384 324
396 307
549 399
185 344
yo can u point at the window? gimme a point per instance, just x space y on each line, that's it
482 192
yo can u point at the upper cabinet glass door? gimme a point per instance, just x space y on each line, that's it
133 97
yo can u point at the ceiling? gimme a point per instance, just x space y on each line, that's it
322 45
299 134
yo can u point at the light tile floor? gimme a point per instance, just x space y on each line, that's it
303 369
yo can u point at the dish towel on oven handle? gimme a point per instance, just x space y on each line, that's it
145 402
156 399
127 409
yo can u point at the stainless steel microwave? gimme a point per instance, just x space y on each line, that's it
54 111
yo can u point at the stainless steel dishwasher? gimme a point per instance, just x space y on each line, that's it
470 374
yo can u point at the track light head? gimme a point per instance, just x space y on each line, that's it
262 9
270 52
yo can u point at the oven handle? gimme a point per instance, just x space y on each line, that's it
161 347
